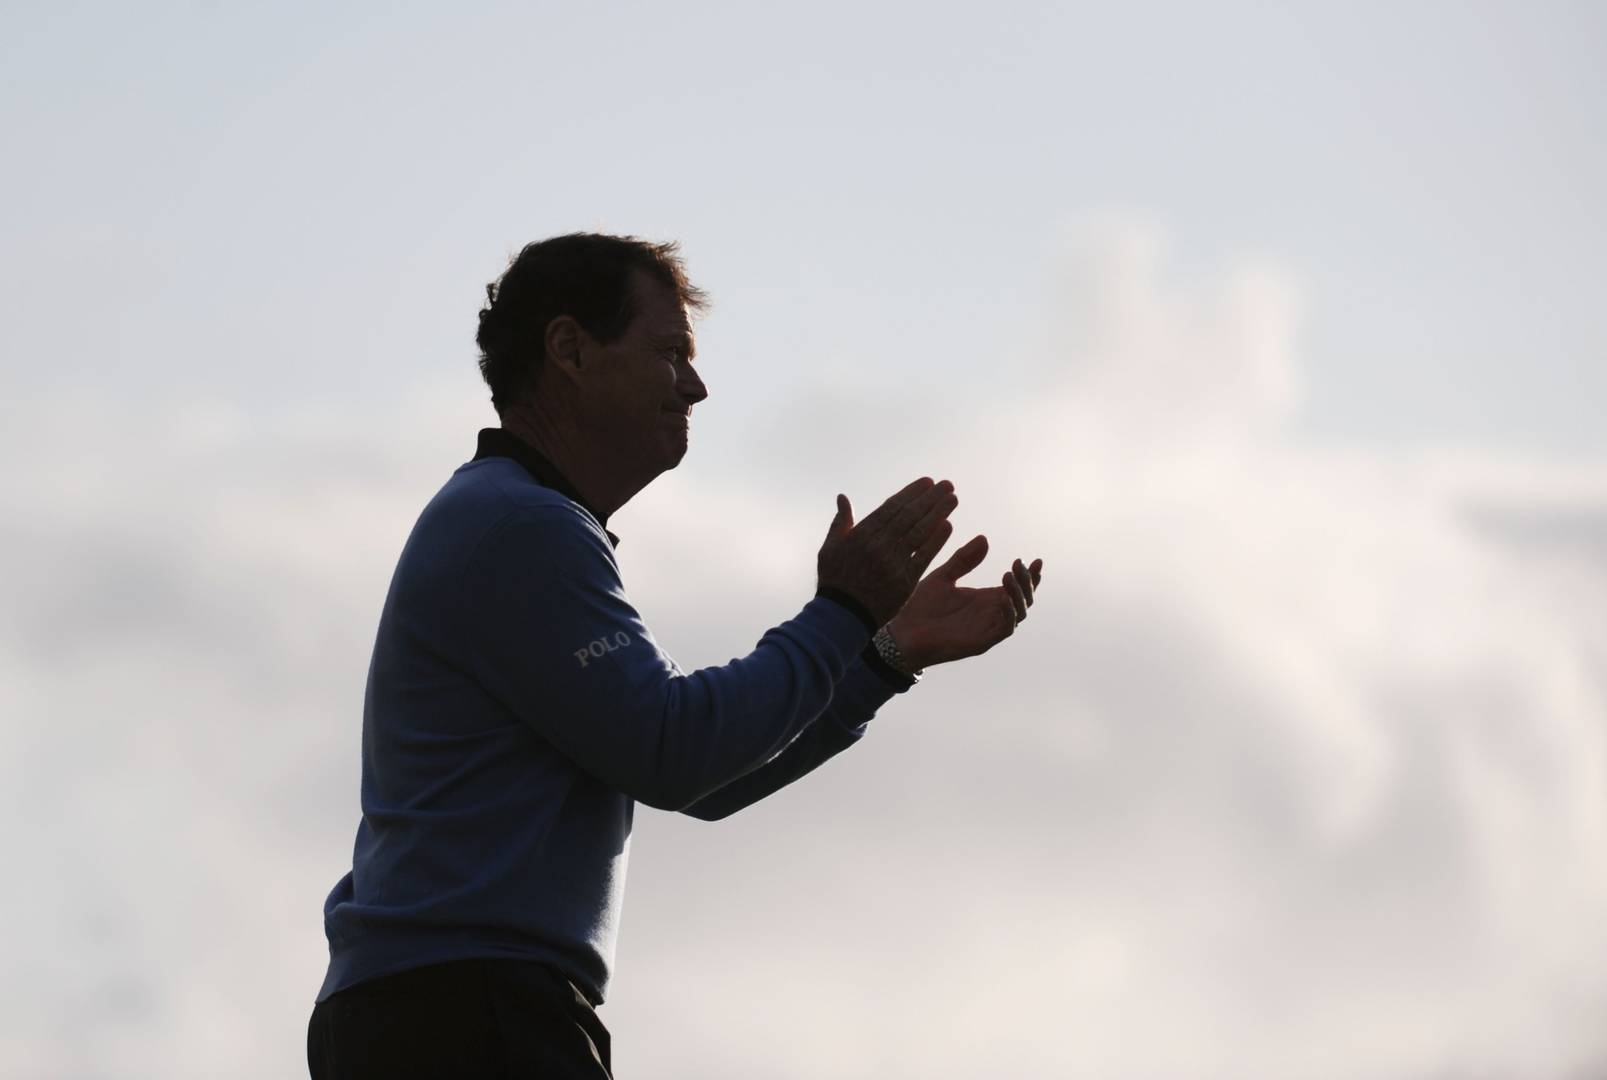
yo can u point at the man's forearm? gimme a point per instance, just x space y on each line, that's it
858 695
818 743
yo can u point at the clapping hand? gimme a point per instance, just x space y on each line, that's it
944 621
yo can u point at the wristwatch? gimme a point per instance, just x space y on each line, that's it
888 650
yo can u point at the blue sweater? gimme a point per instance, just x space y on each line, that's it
517 708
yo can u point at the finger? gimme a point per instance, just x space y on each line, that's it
929 549
902 523
1007 615
1017 602
1024 579
843 521
895 502
939 510
1037 572
965 559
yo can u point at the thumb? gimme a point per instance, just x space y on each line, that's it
844 521
965 559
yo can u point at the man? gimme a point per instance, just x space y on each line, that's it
517 707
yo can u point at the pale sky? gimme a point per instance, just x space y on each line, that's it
1277 334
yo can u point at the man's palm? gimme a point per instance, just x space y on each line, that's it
946 621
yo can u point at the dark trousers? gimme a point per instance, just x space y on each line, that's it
467 1018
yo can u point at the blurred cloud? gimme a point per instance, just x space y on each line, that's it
1296 769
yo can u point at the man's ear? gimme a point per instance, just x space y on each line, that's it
564 341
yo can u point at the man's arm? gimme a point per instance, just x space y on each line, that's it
941 623
553 636
855 700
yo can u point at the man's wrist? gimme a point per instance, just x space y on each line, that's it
861 612
908 644
887 645
889 674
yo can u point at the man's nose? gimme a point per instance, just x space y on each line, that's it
692 388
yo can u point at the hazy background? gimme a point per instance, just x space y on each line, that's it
1278 334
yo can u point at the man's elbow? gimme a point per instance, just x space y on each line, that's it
708 810
658 799
679 799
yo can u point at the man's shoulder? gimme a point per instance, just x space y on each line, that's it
500 496
494 495
500 480
489 489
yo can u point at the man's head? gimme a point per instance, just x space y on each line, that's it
594 332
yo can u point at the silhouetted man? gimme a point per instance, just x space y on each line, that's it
517 708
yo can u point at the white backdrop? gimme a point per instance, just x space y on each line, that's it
1274 336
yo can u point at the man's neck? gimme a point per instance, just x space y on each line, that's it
584 465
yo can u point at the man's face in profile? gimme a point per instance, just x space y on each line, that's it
643 386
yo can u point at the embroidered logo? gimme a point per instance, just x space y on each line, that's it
602 647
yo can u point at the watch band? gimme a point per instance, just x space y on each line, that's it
887 649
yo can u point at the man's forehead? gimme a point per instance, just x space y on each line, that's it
668 326
660 310
662 320
667 320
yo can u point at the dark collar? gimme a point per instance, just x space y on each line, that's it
495 442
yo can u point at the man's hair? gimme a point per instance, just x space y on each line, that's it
586 276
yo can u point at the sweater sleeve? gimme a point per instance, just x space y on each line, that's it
854 702
553 637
